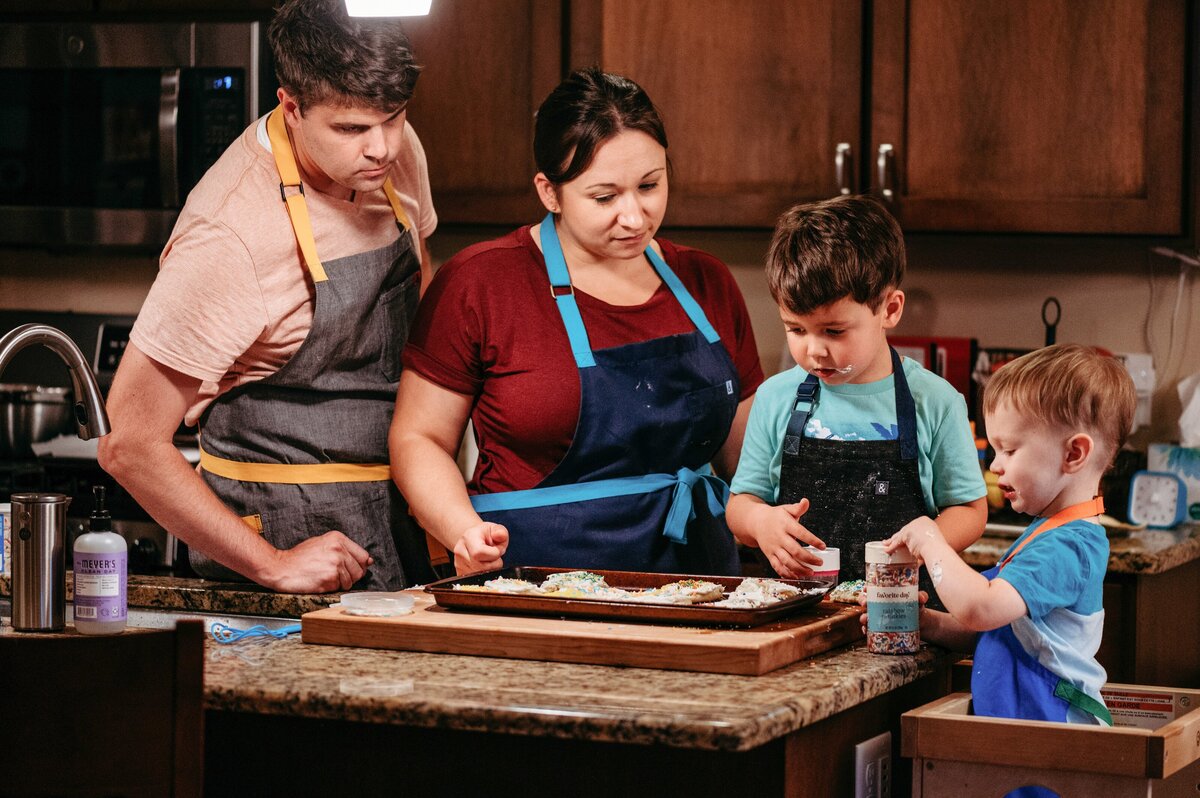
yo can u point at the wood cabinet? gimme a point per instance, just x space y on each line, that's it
1030 115
755 96
487 68
1022 116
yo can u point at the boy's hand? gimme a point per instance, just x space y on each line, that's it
916 535
782 538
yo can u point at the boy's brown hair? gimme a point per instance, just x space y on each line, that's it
848 246
1071 386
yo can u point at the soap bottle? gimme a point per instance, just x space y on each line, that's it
101 571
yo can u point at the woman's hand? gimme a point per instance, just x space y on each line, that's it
480 548
782 538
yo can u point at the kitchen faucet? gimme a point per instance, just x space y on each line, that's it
90 415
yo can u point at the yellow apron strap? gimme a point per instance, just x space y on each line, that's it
289 178
254 522
294 474
397 208
297 208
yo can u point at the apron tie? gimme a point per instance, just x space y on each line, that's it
683 507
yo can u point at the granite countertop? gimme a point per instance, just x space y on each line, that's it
592 702
265 675
1141 551
203 595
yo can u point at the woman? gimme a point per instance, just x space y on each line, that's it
603 369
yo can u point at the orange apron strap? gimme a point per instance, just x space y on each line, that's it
1064 516
294 474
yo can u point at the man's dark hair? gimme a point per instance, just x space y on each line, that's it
322 54
848 246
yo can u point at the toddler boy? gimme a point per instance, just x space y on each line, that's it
1056 418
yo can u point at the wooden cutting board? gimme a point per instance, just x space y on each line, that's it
746 652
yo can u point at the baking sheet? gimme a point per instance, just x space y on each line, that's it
445 595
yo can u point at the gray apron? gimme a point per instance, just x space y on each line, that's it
304 450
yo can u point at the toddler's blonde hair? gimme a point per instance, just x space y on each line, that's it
1072 386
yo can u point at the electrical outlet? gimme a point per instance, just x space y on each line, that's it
873 767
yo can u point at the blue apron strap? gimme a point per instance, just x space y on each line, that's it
681 482
689 305
564 294
906 410
806 399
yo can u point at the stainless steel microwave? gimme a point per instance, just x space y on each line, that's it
104 128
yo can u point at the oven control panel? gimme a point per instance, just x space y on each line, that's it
110 345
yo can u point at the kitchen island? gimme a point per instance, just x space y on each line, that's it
285 717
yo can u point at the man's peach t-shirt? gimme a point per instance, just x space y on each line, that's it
233 299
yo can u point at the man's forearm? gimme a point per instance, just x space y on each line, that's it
173 493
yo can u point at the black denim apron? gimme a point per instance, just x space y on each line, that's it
857 490
304 450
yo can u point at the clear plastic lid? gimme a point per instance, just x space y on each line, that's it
377 603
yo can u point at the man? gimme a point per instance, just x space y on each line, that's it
276 323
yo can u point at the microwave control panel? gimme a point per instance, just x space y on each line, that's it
215 101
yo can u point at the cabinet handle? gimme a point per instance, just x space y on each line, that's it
843 165
886 172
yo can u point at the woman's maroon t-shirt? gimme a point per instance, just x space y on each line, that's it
488 327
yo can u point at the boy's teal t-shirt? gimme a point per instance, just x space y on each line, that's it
948 461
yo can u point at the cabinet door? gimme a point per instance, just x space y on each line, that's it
755 96
1031 115
487 68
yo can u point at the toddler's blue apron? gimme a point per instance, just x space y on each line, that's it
634 490
1007 682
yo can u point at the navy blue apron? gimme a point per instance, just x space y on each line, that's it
857 490
1006 682
634 491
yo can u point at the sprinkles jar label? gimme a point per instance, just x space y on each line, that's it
893 625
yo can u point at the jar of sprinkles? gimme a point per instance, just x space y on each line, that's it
893 625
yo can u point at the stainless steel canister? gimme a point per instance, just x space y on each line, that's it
39 537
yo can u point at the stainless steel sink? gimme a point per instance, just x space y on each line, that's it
142 618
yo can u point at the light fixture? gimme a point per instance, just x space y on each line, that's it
388 8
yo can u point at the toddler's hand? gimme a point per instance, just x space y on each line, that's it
782 537
915 536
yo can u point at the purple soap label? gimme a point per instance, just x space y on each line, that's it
100 586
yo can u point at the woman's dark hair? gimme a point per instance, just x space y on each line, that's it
322 53
583 112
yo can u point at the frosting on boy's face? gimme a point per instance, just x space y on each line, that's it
844 341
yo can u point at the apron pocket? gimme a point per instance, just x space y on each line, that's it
397 307
711 411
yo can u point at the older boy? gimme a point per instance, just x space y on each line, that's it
276 323
1056 418
853 443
